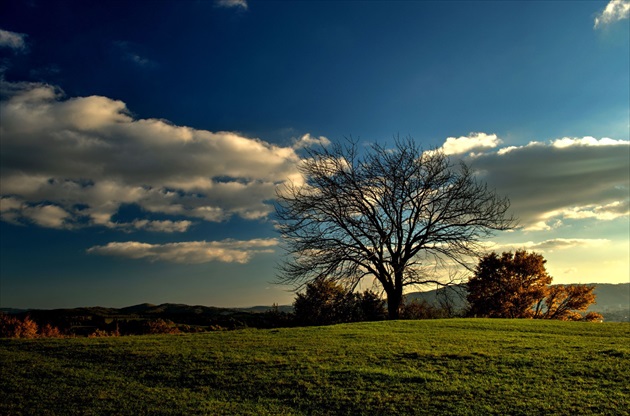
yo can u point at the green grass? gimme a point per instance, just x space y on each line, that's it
458 366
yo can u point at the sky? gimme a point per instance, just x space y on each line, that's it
142 142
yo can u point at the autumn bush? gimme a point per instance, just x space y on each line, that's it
14 327
49 331
517 285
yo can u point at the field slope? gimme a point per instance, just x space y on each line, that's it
458 366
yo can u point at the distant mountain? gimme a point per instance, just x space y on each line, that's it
134 319
12 311
611 297
262 309
456 295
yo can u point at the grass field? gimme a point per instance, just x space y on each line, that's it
458 366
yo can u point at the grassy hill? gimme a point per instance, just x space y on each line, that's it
437 367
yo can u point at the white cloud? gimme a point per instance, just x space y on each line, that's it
610 211
166 226
88 156
567 179
308 141
549 246
192 252
232 3
615 10
465 144
586 141
12 40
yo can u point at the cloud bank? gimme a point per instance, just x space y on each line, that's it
69 163
615 10
193 252
548 183
72 163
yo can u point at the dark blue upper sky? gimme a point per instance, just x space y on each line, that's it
163 126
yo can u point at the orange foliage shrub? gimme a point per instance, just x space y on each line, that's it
563 302
593 317
12 327
517 285
508 286
49 331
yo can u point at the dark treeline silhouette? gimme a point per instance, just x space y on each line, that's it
321 303
137 320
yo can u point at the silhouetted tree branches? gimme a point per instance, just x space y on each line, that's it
393 214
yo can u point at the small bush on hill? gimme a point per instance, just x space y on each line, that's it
13 327
99 333
421 309
161 326
326 302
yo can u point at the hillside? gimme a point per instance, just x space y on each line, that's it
134 319
613 302
437 367
611 297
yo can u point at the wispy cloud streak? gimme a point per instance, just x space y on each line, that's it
191 252
241 4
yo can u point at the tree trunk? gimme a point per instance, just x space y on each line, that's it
394 299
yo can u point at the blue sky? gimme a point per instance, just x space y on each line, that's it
142 141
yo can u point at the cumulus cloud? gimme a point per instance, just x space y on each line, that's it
12 40
615 10
192 252
565 179
464 144
73 162
232 3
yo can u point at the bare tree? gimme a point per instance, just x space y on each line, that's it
386 213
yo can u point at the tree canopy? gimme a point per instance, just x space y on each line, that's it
517 285
389 213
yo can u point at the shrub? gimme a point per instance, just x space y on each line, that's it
49 331
13 327
593 317
421 309
326 302
161 326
